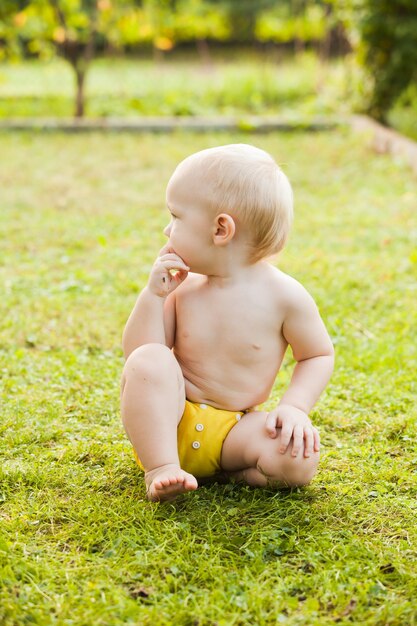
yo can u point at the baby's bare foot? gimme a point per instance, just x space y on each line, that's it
167 482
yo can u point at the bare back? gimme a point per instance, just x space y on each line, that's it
228 340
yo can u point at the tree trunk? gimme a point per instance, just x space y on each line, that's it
299 45
204 52
158 55
80 72
71 50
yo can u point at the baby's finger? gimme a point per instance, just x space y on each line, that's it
316 436
173 265
286 434
298 439
180 276
271 425
309 441
172 258
170 255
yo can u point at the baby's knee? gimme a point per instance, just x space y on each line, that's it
287 471
148 361
300 471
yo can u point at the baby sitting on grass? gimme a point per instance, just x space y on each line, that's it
208 334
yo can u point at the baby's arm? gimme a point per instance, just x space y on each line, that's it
153 317
312 348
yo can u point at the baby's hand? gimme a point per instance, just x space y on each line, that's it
161 281
296 425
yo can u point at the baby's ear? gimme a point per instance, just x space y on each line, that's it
224 229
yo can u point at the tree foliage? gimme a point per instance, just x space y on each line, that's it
291 21
389 35
242 16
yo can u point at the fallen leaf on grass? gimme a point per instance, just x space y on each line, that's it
352 604
387 569
139 592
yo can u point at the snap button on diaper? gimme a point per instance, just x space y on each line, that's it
199 427
238 416
196 445
203 406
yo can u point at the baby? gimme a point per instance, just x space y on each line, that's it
208 334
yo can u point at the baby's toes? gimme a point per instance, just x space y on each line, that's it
170 480
164 482
190 481
170 483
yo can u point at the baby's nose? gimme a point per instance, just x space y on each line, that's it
167 230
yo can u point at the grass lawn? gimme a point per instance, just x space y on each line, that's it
82 219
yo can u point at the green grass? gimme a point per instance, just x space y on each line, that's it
238 82
82 220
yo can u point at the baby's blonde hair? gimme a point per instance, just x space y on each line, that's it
249 185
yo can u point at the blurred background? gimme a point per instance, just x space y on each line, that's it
130 58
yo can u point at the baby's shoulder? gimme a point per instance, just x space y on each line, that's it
286 288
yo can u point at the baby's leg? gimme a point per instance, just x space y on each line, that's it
152 403
250 454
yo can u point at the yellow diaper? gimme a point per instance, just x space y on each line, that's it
201 433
